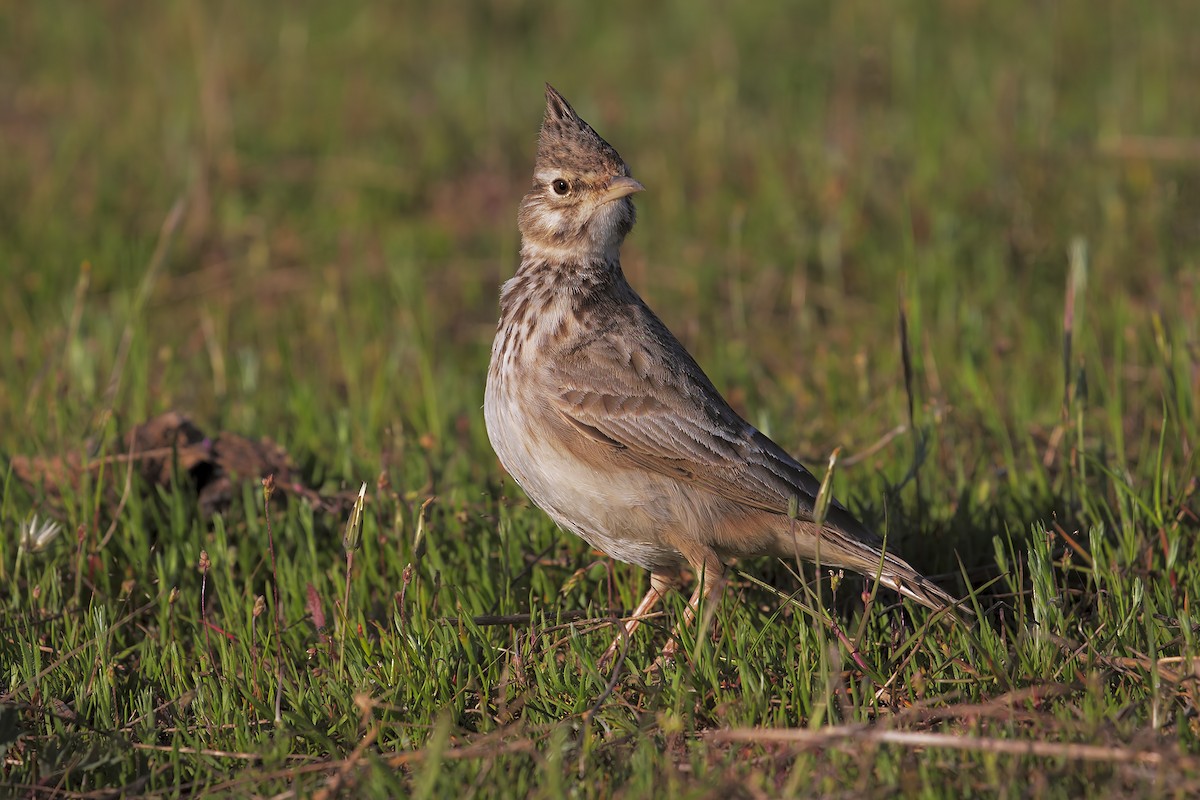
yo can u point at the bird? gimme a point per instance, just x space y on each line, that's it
611 427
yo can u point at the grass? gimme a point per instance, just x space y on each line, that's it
291 220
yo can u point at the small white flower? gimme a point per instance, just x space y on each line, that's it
36 536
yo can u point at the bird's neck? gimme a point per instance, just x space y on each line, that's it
565 278
570 269
573 256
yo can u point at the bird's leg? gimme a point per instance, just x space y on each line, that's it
660 584
710 576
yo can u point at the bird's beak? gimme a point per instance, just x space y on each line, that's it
622 186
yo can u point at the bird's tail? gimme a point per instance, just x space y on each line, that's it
898 575
846 544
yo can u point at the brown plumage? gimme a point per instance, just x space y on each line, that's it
613 429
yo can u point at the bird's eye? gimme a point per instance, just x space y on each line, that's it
560 186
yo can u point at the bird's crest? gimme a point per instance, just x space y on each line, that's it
567 141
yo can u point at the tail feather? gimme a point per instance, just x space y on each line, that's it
899 576
847 544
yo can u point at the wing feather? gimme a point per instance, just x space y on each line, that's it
671 420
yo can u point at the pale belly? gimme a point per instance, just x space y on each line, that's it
626 513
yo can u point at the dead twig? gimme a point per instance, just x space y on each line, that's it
857 735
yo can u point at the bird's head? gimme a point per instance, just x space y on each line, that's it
580 201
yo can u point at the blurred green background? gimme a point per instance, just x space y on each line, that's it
351 174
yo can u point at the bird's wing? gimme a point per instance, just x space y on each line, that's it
654 407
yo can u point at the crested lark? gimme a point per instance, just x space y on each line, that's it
612 428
